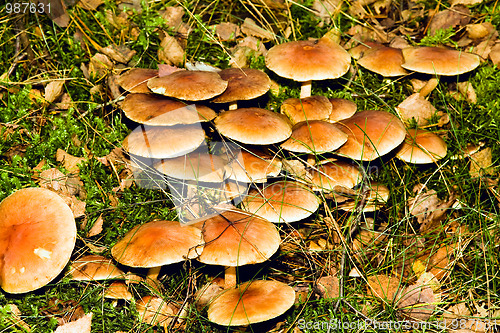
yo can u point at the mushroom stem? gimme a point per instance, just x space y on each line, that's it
305 89
230 277
429 86
233 105
153 273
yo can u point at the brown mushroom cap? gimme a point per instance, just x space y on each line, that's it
156 110
94 267
251 302
421 147
243 84
37 236
371 134
253 166
254 126
158 243
309 60
439 61
189 85
308 108
202 167
333 175
136 80
163 142
385 61
236 238
285 201
314 136
341 109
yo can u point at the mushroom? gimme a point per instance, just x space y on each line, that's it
384 60
308 108
334 175
308 60
341 109
136 80
253 166
421 147
93 267
37 236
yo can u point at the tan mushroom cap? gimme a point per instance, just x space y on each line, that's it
136 80
285 201
94 267
158 243
315 136
236 238
164 142
333 175
254 126
309 60
341 109
385 61
308 108
37 237
439 61
421 147
371 134
156 110
251 302
253 166
118 290
243 84
202 167
189 85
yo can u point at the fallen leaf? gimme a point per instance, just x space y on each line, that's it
81 325
250 28
481 163
384 287
170 51
467 90
465 2
65 102
57 12
153 310
227 31
100 65
450 18
326 10
90 4
206 294
96 227
418 301
53 90
14 316
327 287
416 107
69 161
495 54
119 53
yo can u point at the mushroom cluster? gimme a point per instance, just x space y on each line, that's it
179 117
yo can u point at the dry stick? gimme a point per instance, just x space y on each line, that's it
353 227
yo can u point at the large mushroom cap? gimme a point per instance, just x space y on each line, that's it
236 238
189 85
308 108
94 267
136 80
439 61
314 136
37 236
251 302
243 84
254 126
421 147
385 61
285 201
333 175
156 110
158 243
371 134
309 60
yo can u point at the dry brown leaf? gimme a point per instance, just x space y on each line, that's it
65 102
153 310
483 49
467 90
69 161
119 22
53 90
416 107
171 52
173 17
384 287
96 227
227 31
450 18
250 28
326 10
77 206
119 53
465 2
81 325
53 179
495 54
206 294
90 4
479 30
100 65
438 262
327 287
418 301
481 163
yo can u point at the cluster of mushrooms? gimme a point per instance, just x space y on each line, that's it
274 165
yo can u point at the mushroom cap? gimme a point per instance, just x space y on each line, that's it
371 134
314 136
341 109
309 60
251 302
254 126
439 61
202 167
236 238
163 142
308 108
158 243
332 175
189 85
136 80
154 110
285 201
253 166
385 61
421 147
118 290
243 84
37 236
94 267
